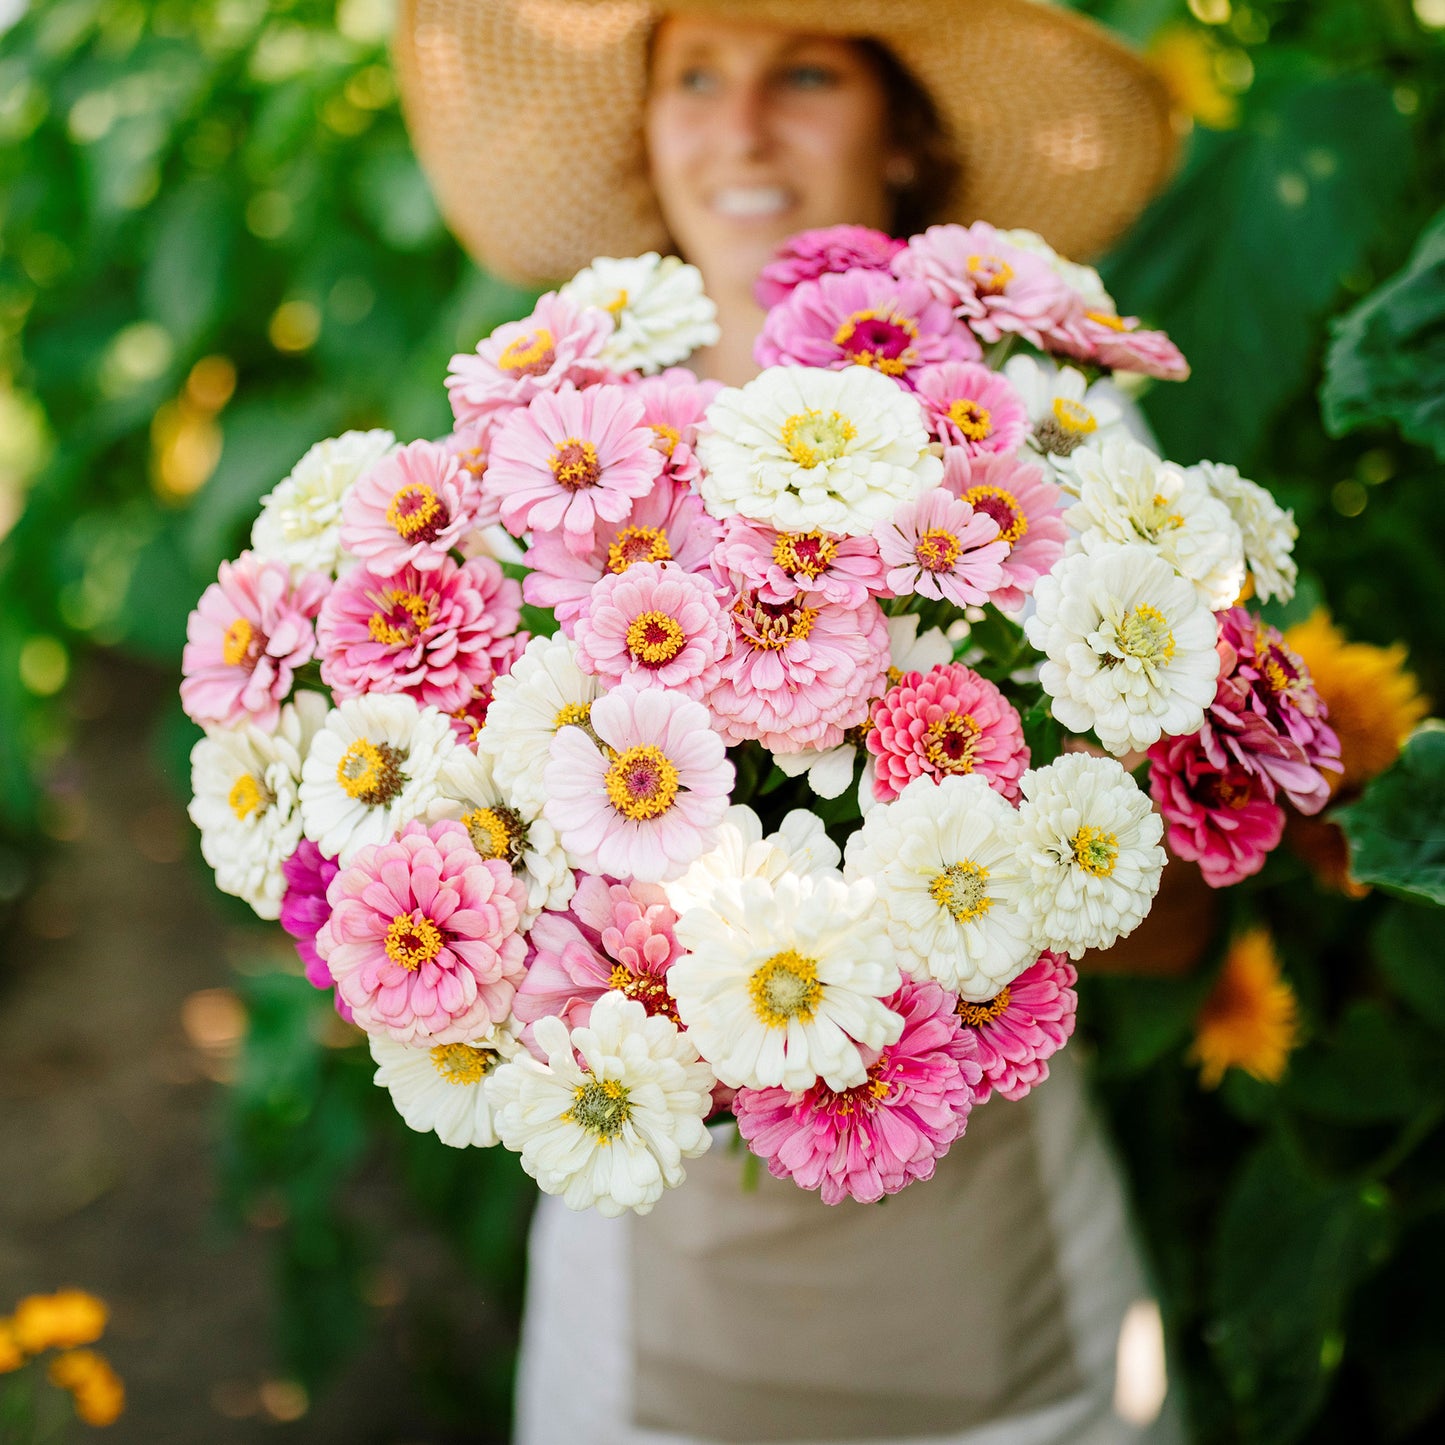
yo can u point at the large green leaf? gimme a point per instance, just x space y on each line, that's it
1408 944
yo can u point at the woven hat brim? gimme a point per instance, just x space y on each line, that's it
527 117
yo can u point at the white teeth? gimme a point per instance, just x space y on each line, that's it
751 201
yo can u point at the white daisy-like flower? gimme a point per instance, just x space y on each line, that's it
500 828
245 784
371 769
1083 280
804 449
1269 530
1130 647
944 859
1090 842
1065 411
1127 496
611 1131
445 1090
801 846
300 521
544 691
657 302
784 981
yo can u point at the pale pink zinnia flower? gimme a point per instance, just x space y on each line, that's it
799 673
424 937
946 721
572 459
937 546
558 342
811 254
410 509
673 405
784 565
1119 343
1218 817
249 633
429 634
1017 1031
653 625
304 909
469 444
1026 507
669 524
863 318
967 405
639 793
873 1139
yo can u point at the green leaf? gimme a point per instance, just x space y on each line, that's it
185 279
1386 361
1138 1020
1409 946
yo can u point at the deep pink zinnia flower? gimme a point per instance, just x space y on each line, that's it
811 254
1119 343
673 405
424 938
875 1139
946 721
304 909
937 546
1218 817
967 405
1022 1026
863 318
249 633
782 566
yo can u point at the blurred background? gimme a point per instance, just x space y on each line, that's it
215 249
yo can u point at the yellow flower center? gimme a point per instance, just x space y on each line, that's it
401 618
495 832
638 544
650 992
667 435
1095 851
236 645
371 772
962 888
529 355
804 554
654 638
976 1015
883 340
1003 507
771 626
810 438
1144 634
1107 318
951 743
990 274
464 1063
617 304
785 987
248 795
602 1107
1074 416
937 550
412 940
416 512
972 420
574 464
642 782
573 715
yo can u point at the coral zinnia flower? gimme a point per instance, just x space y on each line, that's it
1251 1019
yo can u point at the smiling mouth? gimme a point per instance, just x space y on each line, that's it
749 202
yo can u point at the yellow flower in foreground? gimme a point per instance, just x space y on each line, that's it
1185 58
58 1321
1250 1021
97 1390
11 1355
1374 702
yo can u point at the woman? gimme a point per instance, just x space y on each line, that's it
987 1305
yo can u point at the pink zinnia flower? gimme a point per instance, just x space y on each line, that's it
639 794
863 318
1218 817
938 546
1025 506
1118 343
571 460
811 254
469 444
304 909
874 1139
249 633
410 509
669 524
1026 1022
799 672
946 721
673 405
424 938
1267 716
654 625
967 405
996 288
558 342
782 566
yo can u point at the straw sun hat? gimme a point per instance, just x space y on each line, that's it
527 116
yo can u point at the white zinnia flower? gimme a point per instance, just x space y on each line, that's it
1130 647
1128 496
1083 280
784 982
300 521
944 859
661 313
1268 529
444 1090
545 690
1090 842
804 449
371 769
613 1130
246 801
1065 411
499 827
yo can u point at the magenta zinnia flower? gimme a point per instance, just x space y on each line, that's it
872 1140
782 566
304 909
249 633
863 318
1022 1026
967 405
424 939
938 546
1119 343
571 460
811 254
673 405
428 634
946 721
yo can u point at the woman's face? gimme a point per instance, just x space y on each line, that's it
754 133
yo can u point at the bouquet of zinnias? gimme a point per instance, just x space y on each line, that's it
648 751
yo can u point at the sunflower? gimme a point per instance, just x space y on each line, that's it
1250 1020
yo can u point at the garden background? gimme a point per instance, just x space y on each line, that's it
215 249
